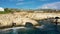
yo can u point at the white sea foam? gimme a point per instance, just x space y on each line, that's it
14 28
42 26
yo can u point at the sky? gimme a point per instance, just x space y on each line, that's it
30 4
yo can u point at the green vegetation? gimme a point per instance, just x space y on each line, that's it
5 11
12 10
1 12
48 10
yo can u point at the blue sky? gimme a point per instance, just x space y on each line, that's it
30 4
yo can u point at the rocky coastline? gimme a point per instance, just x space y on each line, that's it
20 18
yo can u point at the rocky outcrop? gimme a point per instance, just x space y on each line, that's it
22 17
9 19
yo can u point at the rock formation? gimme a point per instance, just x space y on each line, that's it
22 17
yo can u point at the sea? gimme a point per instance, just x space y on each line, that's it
45 28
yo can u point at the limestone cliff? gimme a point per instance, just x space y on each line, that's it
20 18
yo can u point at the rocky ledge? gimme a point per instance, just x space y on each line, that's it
20 18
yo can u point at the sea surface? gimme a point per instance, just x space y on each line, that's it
24 30
45 28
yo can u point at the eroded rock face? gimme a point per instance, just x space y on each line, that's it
22 17
8 19
29 25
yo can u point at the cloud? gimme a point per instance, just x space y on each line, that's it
22 3
20 0
55 5
43 0
16 0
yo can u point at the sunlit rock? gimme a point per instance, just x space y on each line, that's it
22 17
29 20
